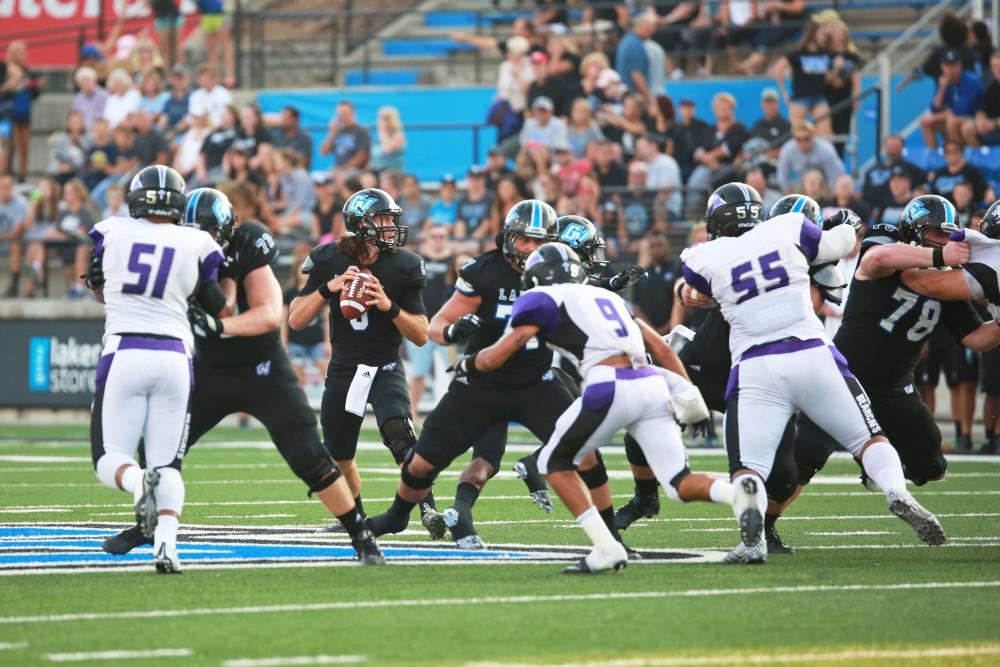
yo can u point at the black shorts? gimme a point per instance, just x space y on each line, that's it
389 398
959 363
472 409
989 370
906 421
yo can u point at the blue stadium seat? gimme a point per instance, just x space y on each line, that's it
451 19
422 47
986 159
400 77
927 159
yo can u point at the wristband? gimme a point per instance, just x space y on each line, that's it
324 291
393 311
938 255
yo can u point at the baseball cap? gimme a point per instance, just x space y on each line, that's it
178 70
951 56
769 94
899 170
539 57
91 51
543 102
448 178
476 171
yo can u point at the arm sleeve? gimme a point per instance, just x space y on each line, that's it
537 308
983 281
411 297
690 270
211 260
829 246
960 318
211 297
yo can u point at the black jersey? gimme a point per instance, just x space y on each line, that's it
707 359
371 339
491 278
886 325
250 248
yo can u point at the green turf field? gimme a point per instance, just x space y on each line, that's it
860 589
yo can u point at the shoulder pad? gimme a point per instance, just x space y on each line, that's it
318 254
254 246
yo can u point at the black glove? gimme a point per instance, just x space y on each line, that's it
843 217
203 324
463 366
464 327
228 269
630 276
94 277
701 429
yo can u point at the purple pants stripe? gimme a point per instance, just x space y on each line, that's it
159 344
781 347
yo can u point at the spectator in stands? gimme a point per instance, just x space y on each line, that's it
755 178
389 151
808 65
173 120
660 115
210 98
569 169
876 185
772 126
654 296
215 32
309 347
687 135
984 126
496 168
216 144
168 22
123 98
67 155
720 147
21 87
543 127
126 162
955 101
662 174
116 208
631 59
980 42
592 71
286 132
101 154
513 81
735 26
545 85
45 207
954 35
550 190
444 210
888 210
531 162
90 98
587 202
657 57
348 141
154 98
473 214
608 168
327 217
299 196
415 205
670 20
564 66
76 217
15 218
845 196
634 207
805 151
625 127
964 199
150 145
189 149
814 185
507 194
391 181
958 170
251 134
778 21
236 168
843 80
521 28
582 129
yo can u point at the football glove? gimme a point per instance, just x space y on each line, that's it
630 276
203 324
463 366
94 277
462 328
843 217
689 406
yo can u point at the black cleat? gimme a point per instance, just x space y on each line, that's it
775 545
125 541
639 507
632 553
527 471
433 522
366 549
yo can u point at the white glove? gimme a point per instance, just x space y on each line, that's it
678 337
994 310
688 405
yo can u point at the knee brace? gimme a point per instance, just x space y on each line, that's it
596 477
398 437
634 453
319 474
673 489
411 480
781 483
927 470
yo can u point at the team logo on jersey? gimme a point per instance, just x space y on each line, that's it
264 368
574 235
391 366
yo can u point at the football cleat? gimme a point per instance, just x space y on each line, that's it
639 507
125 541
433 521
598 561
145 505
166 560
527 471
906 507
744 555
471 543
335 527
745 507
462 530
775 545
366 549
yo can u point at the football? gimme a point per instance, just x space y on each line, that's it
353 297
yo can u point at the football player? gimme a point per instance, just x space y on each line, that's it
758 272
365 367
145 268
594 329
241 366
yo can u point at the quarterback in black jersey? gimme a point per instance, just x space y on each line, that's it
240 365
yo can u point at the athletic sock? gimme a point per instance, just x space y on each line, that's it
769 520
882 464
958 430
466 495
596 529
358 505
170 491
352 522
721 492
394 520
132 479
166 531
608 517
646 487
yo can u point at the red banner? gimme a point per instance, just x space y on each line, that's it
55 29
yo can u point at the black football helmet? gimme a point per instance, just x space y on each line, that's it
360 210
734 208
990 226
210 210
552 264
927 211
583 236
532 218
157 190
807 206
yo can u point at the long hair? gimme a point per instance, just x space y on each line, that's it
355 247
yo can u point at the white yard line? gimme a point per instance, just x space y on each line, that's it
13 646
498 600
293 661
768 659
119 655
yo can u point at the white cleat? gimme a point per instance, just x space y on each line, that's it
744 555
166 560
145 505
470 543
599 560
906 507
745 507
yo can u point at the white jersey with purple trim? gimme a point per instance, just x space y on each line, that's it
584 323
761 278
982 271
150 272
